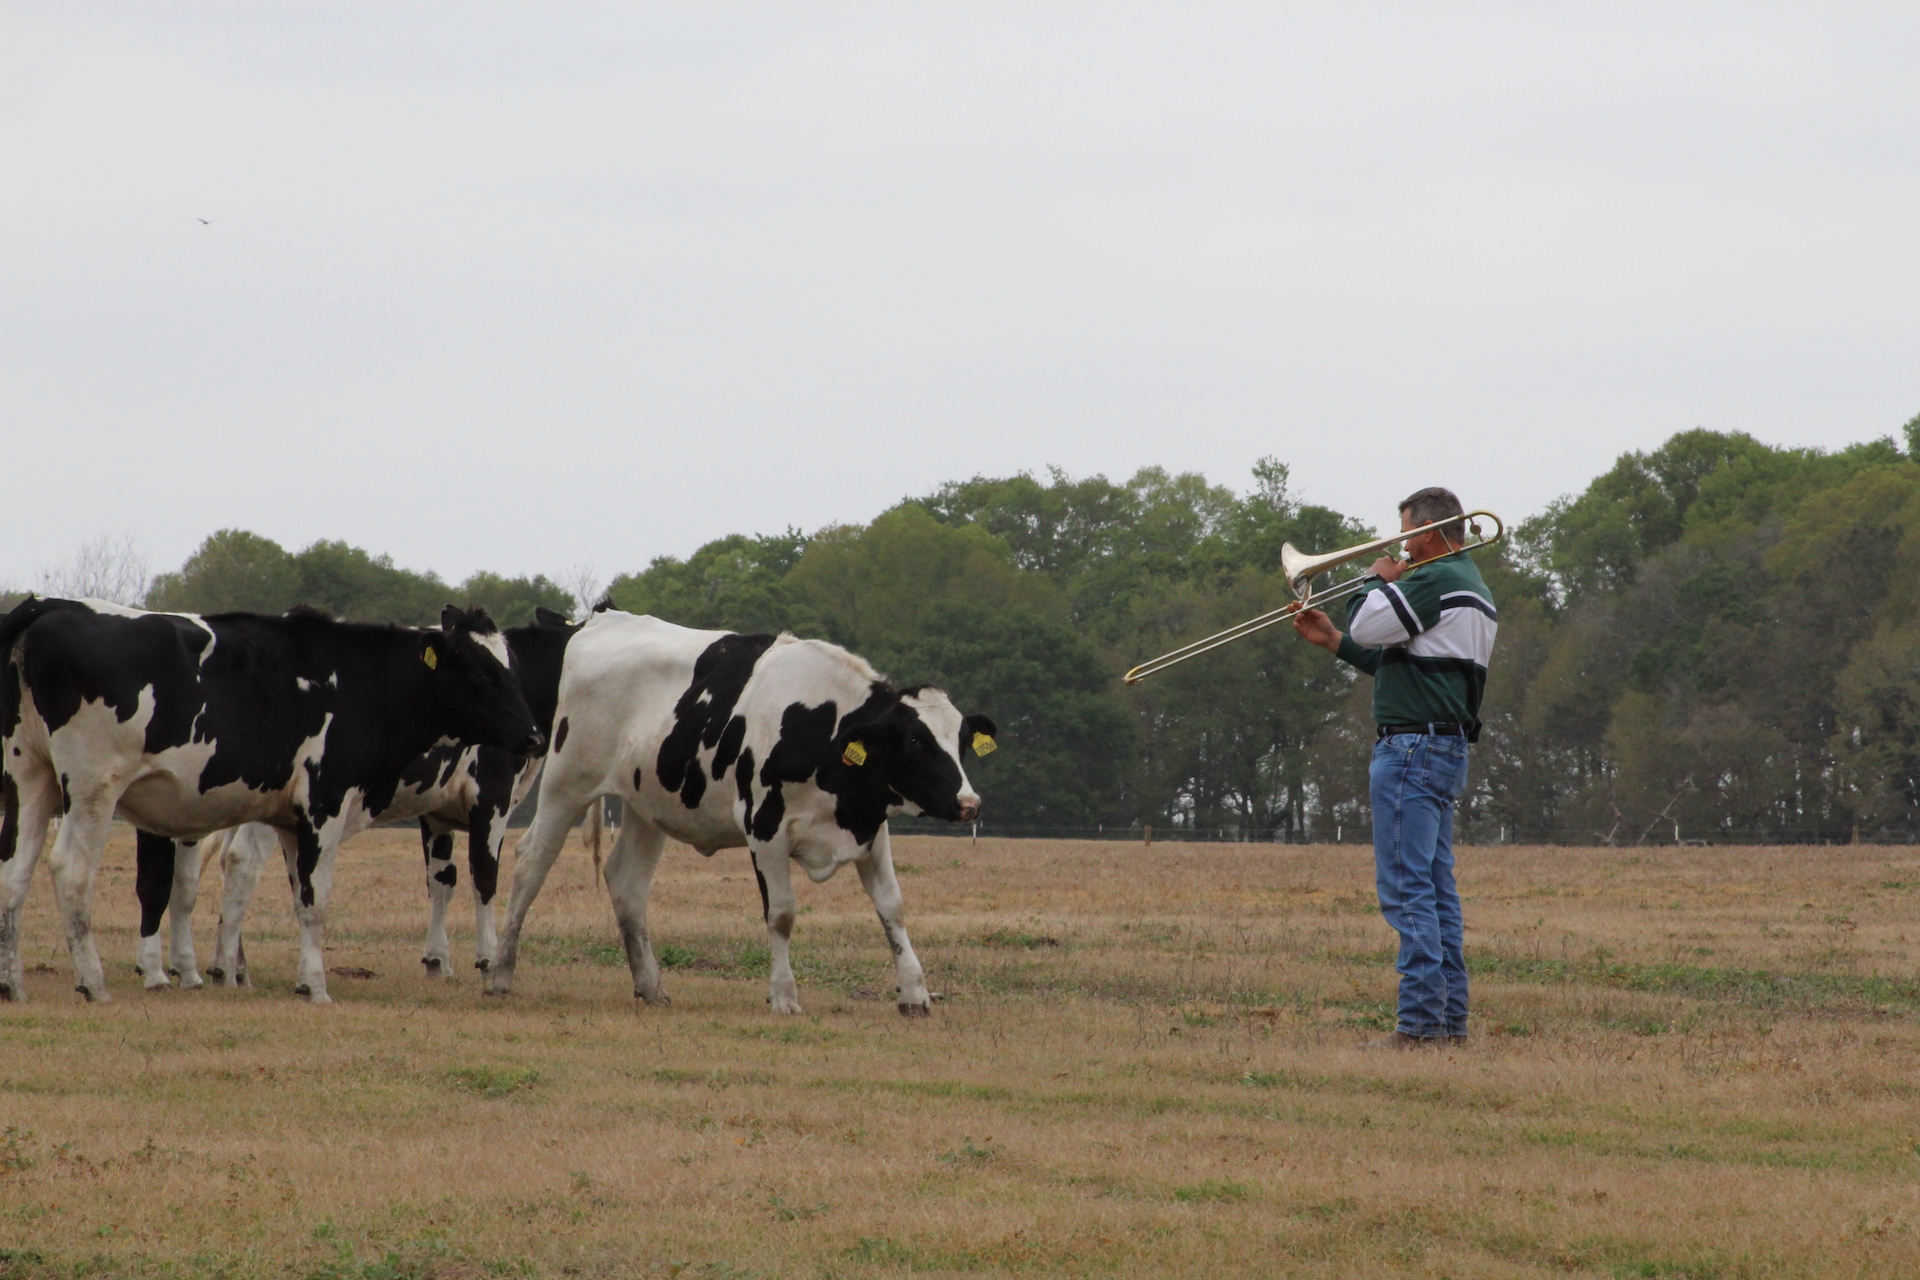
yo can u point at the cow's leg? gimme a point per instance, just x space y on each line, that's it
629 871
777 903
533 858
74 861
486 832
181 962
876 875
310 858
32 798
436 847
153 859
247 849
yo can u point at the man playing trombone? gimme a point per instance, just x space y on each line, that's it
1425 636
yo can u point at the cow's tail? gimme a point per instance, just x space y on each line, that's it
25 614
590 831
12 692
12 627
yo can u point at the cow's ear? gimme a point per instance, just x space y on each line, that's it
859 743
452 618
430 653
545 617
977 732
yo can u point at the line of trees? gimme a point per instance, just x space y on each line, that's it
1716 640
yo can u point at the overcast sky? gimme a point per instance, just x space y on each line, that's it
525 286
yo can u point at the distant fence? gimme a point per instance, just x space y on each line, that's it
1475 835
1464 834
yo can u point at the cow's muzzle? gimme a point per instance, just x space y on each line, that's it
536 742
969 808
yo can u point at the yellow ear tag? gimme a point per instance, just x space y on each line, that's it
983 745
431 657
855 754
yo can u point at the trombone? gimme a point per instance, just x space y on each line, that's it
1302 568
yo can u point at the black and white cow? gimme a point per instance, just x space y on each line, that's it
187 725
453 787
795 749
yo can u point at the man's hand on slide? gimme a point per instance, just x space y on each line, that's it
1317 628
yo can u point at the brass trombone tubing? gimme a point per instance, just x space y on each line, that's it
1310 599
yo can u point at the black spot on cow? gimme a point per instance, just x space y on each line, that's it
152 878
701 716
435 846
560 734
9 816
66 795
306 858
433 769
728 749
806 735
448 875
743 779
494 773
782 924
763 887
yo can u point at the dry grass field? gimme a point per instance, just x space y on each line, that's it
1686 1063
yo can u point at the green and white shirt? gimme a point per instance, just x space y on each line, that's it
1426 640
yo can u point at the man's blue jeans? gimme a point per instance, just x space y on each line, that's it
1415 779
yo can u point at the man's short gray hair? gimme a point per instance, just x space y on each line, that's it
1429 505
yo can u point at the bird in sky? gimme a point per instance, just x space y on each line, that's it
205 222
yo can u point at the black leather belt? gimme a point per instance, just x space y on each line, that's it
1444 730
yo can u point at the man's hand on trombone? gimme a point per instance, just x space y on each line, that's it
1318 629
1387 569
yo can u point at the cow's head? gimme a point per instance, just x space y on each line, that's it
916 744
475 695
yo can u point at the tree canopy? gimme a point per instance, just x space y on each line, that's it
1716 639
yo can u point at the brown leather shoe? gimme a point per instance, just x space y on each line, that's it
1401 1040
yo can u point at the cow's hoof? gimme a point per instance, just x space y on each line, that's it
915 1010
191 984
435 969
313 997
786 1005
94 997
158 986
657 998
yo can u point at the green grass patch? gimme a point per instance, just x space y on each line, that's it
1803 991
493 1082
1215 1191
